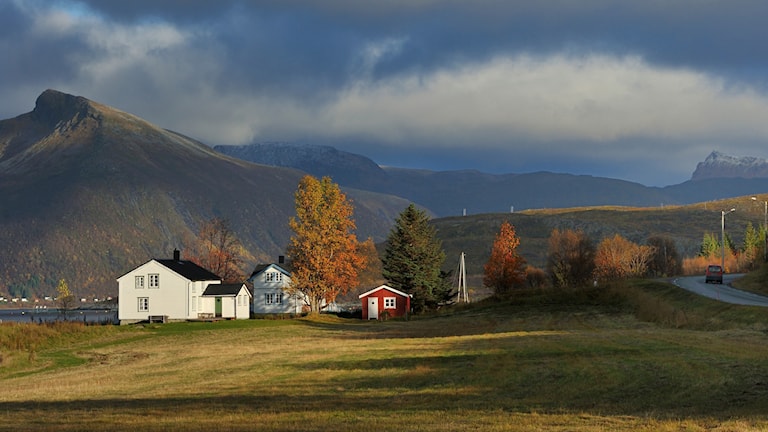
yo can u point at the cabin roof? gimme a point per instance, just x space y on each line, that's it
384 287
225 290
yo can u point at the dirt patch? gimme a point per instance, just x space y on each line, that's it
114 357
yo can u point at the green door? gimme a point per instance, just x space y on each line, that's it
218 306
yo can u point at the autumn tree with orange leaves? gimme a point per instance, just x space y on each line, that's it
324 249
218 249
505 269
619 258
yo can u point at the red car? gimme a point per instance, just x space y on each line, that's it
714 274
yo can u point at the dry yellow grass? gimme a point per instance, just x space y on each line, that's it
486 368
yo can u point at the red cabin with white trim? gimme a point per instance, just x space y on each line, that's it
385 302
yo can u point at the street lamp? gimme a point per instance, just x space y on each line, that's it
765 230
722 235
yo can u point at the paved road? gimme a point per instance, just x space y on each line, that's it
722 292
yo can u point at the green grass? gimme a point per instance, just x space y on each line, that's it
636 356
755 281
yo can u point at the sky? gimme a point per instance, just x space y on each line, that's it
637 90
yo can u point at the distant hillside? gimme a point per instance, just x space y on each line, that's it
345 168
686 225
452 193
88 192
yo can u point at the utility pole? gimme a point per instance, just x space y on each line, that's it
722 235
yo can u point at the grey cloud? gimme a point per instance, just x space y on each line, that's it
296 42
691 30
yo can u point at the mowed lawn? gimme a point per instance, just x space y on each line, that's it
502 367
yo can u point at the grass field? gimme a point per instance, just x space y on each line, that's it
641 356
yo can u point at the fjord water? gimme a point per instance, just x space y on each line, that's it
32 315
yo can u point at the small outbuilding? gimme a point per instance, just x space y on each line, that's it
231 301
385 302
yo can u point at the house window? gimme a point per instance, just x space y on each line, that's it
269 298
139 282
154 280
273 277
389 302
279 298
143 304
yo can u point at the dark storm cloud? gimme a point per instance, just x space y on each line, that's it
34 57
314 43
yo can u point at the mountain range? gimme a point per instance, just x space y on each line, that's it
453 193
88 192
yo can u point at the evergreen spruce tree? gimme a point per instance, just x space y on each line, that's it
413 259
710 246
752 244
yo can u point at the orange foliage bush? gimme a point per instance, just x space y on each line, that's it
698 264
535 277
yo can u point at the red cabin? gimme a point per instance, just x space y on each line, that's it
385 302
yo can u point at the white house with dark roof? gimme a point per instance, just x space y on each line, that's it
270 290
174 289
231 301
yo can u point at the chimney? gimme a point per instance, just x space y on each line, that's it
281 259
176 255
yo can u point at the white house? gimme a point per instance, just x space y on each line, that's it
270 291
226 301
174 289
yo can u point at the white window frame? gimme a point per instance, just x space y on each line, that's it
143 304
273 276
390 302
279 298
269 298
154 280
139 281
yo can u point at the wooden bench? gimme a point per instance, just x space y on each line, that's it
158 319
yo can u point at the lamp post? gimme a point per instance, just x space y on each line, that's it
722 235
765 230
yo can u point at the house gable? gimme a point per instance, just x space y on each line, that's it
387 288
271 293
262 270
